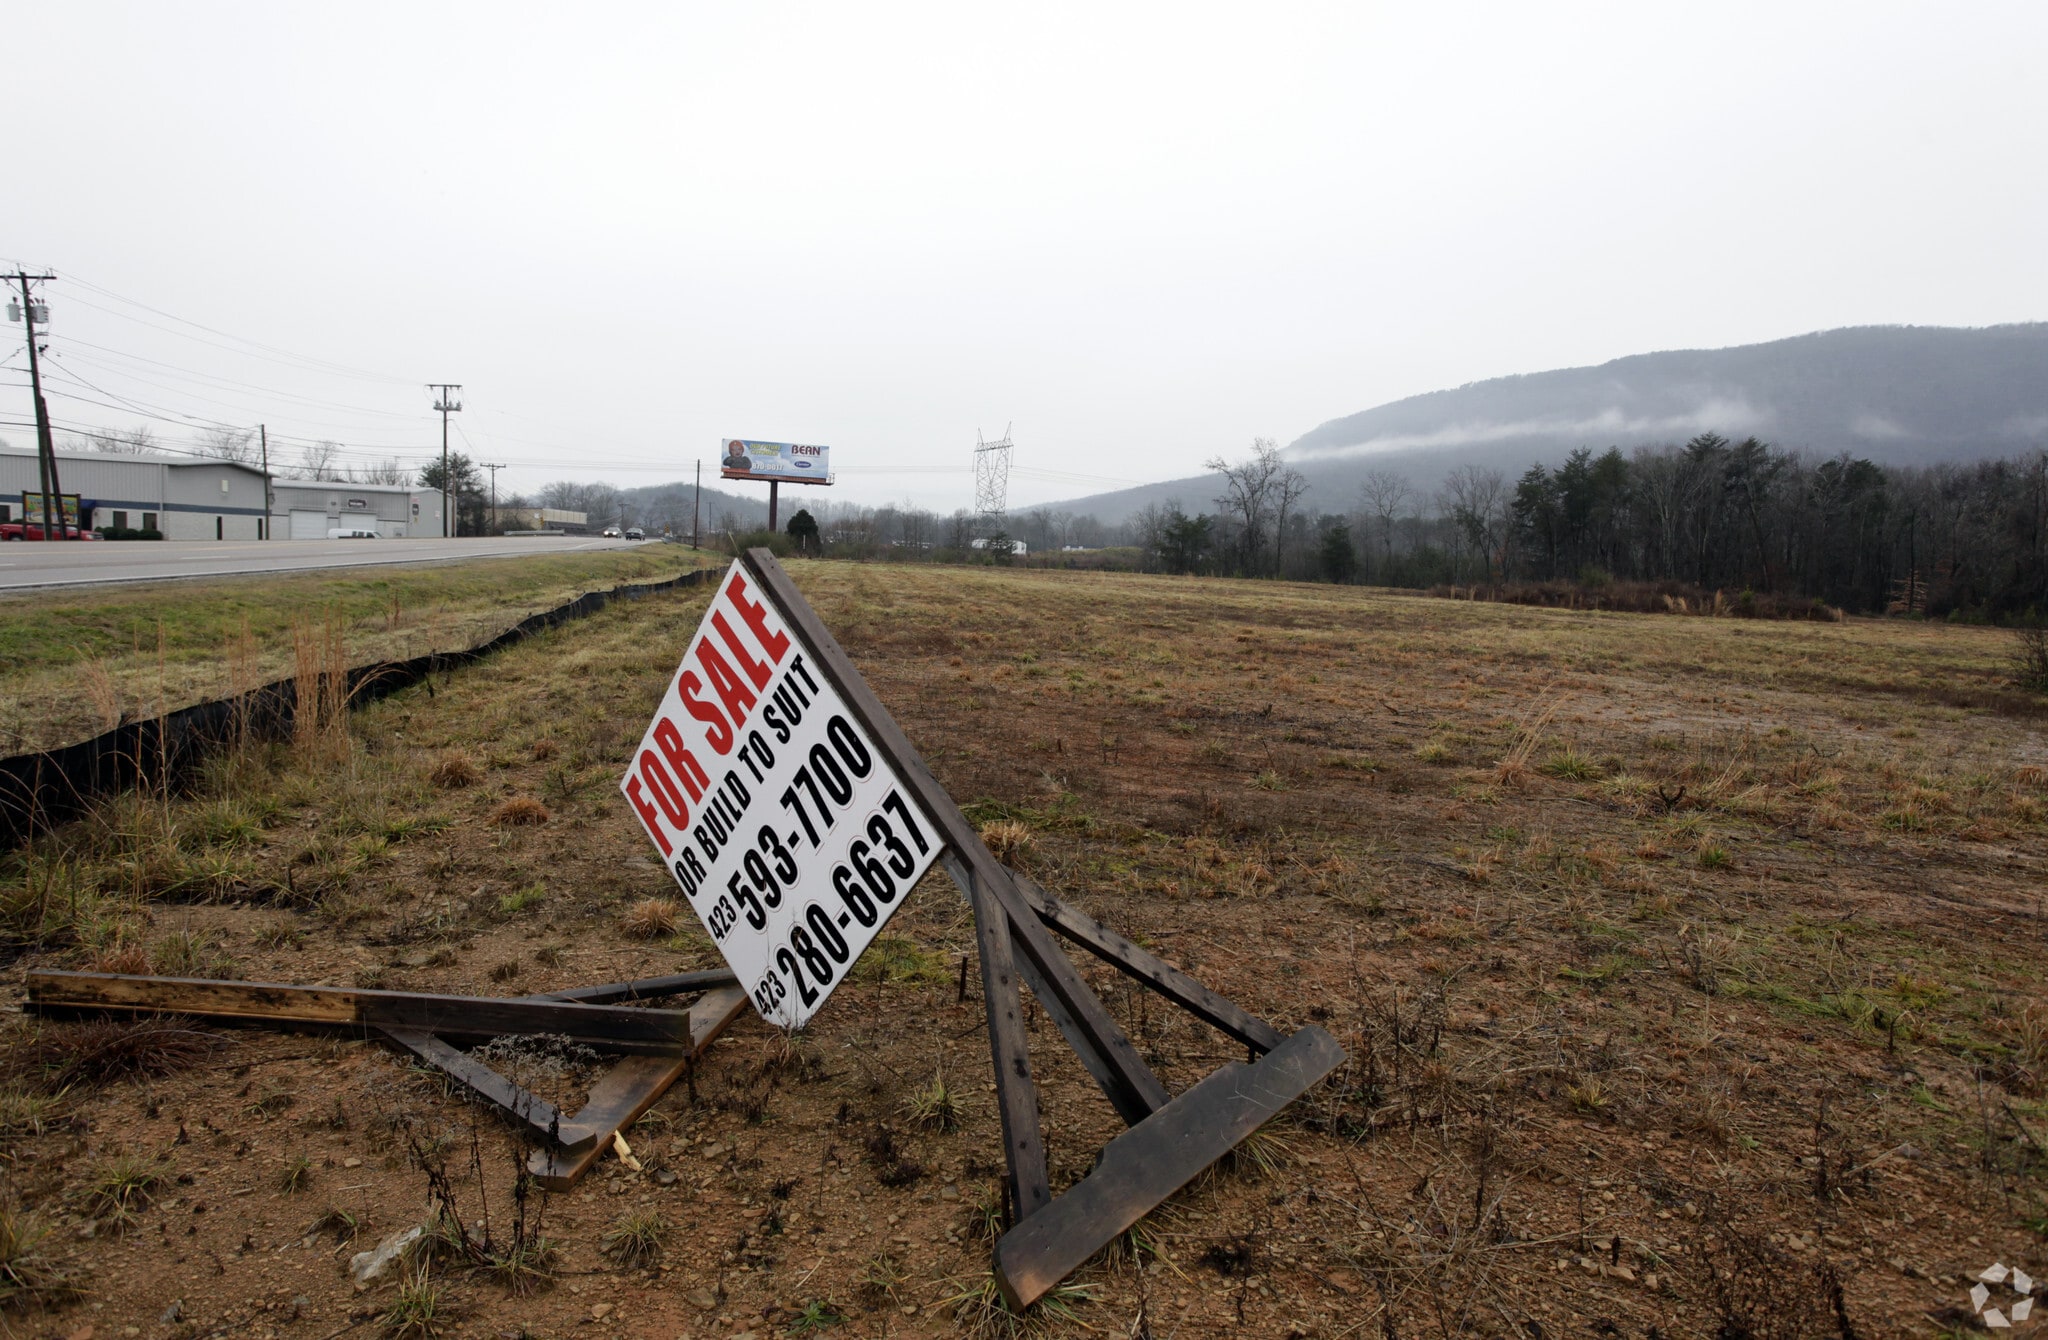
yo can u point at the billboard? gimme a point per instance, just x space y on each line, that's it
785 462
32 507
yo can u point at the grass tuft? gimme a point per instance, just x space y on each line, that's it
520 812
935 1106
636 1240
455 770
1008 841
421 1311
651 918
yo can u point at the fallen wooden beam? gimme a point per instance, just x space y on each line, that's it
1149 1162
530 1110
644 988
632 1086
615 1028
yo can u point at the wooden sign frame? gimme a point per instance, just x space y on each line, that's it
1171 1140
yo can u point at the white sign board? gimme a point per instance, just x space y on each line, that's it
790 833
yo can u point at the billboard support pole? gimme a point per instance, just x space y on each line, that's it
773 486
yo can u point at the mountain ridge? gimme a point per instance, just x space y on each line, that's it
1893 393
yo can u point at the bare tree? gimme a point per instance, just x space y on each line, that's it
228 444
137 441
320 460
1288 486
1476 499
1247 494
382 472
1384 494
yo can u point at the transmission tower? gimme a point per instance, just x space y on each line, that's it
991 480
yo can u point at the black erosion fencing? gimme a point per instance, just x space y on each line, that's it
40 790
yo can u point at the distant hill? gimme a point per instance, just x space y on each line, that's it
1900 394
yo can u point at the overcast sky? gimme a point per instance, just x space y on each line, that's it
1143 235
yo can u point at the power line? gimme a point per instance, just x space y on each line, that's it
334 368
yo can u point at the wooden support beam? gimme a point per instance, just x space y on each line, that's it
1132 1105
1135 1091
631 1087
1139 1169
530 1110
604 1027
1016 1097
1129 959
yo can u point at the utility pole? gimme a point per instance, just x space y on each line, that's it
697 506
447 404
269 504
46 447
494 487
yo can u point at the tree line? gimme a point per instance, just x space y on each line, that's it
1711 513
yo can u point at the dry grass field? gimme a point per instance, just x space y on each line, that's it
77 662
1690 971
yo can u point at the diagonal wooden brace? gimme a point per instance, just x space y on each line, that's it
1150 969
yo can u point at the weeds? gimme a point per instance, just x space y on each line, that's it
29 1275
980 1312
935 1106
816 1315
296 1175
421 1311
122 1189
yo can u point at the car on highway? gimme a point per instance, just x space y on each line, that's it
22 530
635 533
611 532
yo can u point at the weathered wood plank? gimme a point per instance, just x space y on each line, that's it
1142 1167
632 1086
644 988
606 1027
1010 1055
530 1110
1129 959
1135 1091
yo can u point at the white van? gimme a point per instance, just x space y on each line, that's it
351 533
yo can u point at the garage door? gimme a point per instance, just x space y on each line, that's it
309 525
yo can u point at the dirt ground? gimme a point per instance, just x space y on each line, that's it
1690 972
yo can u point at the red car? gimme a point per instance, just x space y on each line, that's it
22 530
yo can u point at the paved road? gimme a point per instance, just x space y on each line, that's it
84 563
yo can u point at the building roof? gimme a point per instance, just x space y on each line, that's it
123 457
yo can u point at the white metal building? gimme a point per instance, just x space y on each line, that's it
308 509
186 498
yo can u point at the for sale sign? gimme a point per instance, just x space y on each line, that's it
787 828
